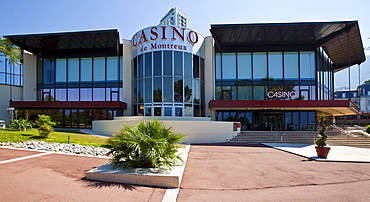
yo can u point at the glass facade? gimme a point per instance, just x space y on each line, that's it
251 75
77 79
273 75
262 120
80 79
69 118
10 74
168 83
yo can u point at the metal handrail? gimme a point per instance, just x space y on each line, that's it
311 130
345 132
278 131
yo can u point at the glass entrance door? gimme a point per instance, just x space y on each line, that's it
264 120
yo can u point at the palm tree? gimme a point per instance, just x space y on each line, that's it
12 52
147 145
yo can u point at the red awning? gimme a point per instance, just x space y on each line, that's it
333 107
68 104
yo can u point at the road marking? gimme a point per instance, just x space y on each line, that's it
171 195
25 157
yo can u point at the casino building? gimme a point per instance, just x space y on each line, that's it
256 74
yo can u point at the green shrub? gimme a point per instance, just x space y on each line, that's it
321 142
147 145
20 124
367 129
45 125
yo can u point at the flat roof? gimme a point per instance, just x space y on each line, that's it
85 40
333 37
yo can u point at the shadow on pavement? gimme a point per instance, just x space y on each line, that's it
99 185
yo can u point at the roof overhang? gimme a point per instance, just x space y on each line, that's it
332 107
333 37
41 44
68 105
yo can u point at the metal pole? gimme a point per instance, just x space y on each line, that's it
349 67
359 75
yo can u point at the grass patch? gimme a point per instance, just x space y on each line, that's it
7 135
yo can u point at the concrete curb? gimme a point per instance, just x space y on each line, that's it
155 177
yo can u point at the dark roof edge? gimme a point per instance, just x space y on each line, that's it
283 23
62 33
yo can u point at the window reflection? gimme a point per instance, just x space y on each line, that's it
229 66
99 69
177 82
61 70
276 71
86 70
157 63
259 66
275 65
73 70
291 65
148 64
178 63
244 66
167 63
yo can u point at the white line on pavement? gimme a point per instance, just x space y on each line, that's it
25 157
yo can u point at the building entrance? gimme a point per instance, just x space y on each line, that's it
262 120
265 120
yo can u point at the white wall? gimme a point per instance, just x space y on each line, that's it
4 100
209 74
202 131
127 77
29 76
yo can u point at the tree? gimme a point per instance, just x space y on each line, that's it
45 125
20 124
321 142
367 82
147 145
12 52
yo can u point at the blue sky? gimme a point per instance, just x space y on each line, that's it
45 16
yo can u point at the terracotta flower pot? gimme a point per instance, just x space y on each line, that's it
322 152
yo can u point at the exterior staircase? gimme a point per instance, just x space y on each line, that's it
301 137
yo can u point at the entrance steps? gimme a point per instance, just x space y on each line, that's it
296 137
300 137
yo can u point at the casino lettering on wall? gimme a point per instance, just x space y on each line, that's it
281 94
166 38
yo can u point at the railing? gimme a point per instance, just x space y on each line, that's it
311 130
342 131
278 131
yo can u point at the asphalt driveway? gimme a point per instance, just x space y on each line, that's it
214 172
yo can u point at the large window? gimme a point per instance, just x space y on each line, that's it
325 76
175 87
80 79
10 74
252 75
261 120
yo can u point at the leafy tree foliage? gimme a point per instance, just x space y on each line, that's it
147 145
12 52
45 125
20 124
367 82
367 129
321 142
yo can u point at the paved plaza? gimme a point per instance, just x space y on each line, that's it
214 172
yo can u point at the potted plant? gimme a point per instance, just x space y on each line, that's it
321 149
